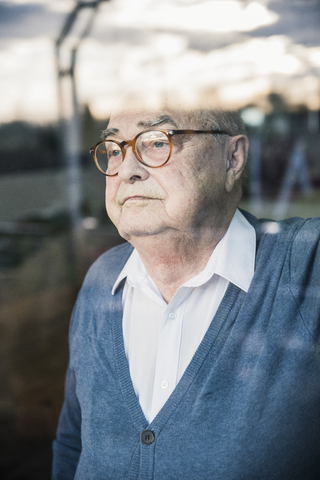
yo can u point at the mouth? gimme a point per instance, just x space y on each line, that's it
135 198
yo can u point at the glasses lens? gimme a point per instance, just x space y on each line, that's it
109 157
153 148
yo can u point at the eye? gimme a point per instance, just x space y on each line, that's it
113 151
158 144
153 140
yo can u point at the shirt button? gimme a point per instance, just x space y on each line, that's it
164 384
173 316
147 437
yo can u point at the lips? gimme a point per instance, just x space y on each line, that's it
137 198
133 198
124 197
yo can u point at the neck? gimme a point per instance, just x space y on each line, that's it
171 259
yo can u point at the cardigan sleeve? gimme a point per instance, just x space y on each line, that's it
67 446
305 274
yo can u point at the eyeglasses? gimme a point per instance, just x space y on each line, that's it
153 148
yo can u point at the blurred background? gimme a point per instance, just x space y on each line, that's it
62 65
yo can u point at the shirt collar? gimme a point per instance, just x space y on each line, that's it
238 253
233 258
134 271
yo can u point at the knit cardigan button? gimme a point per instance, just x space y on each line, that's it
147 437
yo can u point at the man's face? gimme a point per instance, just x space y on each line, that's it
182 196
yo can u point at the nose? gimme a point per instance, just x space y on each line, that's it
131 170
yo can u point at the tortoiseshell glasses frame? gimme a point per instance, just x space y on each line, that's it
152 148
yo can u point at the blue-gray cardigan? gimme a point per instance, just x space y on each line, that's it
247 406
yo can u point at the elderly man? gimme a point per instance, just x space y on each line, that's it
194 348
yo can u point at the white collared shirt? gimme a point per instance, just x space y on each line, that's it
160 339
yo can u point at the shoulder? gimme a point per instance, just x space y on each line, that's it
295 232
305 254
95 297
293 245
111 262
105 270
295 241
305 274
308 234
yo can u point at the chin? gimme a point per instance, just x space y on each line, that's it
139 223
129 232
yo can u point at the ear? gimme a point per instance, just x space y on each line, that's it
237 153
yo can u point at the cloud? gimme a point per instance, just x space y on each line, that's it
203 16
298 19
27 79
29 20
240 48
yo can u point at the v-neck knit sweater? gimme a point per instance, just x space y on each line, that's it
248 404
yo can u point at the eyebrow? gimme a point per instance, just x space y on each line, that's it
157 121
109 131
151 123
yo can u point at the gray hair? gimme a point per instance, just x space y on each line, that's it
206 119
228 120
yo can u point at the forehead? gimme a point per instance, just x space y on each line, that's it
135 121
